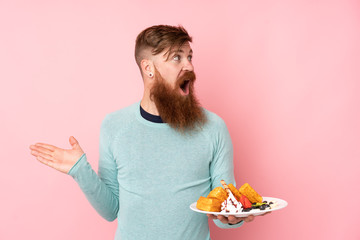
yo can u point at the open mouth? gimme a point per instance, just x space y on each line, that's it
185 87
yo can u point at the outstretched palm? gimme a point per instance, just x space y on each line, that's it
60 159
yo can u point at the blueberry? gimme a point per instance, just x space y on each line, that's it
262 207
264 201
271 203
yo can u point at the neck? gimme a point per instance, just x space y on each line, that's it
148 105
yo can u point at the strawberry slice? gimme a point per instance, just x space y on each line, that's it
245 201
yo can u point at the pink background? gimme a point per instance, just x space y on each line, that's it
284 75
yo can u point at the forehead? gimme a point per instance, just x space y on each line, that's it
183 49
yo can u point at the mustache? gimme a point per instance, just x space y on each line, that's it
187 76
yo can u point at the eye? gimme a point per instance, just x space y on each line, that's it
190 58
176 58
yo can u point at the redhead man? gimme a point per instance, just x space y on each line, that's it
158 155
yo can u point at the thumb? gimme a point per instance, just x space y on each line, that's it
73 142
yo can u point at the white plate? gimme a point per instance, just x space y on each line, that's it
255 212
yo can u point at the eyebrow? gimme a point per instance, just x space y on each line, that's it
176 51
181 51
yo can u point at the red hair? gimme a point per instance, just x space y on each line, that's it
158 38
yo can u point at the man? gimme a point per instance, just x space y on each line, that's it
157 156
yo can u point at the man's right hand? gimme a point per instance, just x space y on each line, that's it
60 159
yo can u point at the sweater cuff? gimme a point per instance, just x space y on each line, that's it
223 225
77 165
236 223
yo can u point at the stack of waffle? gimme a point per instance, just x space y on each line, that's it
212 203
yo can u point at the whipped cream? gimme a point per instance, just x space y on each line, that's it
231 205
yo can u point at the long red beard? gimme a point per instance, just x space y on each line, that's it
183 113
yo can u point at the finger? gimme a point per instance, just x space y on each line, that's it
43 155
34 153
233 219
41 149
47 146
265 214
249 218
222 219
74 143
47 162
211 216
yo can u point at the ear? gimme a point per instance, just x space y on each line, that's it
147 67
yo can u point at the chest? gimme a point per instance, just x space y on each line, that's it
162 159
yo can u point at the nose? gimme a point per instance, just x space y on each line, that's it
188 66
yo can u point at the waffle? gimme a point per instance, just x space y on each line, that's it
209 204
250 193
218 193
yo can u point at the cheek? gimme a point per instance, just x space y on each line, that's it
171 79
170 74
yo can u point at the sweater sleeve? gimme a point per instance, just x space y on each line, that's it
102 189
221 166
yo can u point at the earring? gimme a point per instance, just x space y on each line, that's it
151 74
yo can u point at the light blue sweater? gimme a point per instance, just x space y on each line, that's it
149 174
